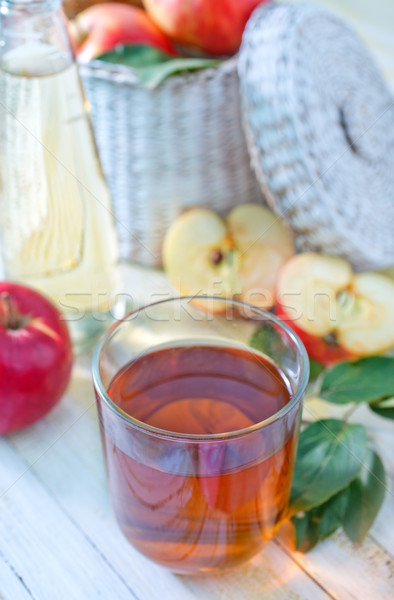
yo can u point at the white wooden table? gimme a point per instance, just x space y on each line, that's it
59 539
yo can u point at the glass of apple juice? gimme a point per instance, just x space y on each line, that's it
199 428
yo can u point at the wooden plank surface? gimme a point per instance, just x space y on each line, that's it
11 583
46 550
58 538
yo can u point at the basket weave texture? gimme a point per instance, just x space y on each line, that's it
319 121
169 148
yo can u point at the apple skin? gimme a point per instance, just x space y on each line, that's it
101 27
35 357
318 348
214 26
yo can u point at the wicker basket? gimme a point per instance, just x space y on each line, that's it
166 149
319 122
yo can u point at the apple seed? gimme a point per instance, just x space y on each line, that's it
216 257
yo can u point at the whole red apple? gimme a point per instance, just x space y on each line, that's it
35 356
214 26
102 27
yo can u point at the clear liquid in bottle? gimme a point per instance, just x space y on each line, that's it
58 233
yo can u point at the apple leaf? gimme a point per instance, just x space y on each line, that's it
152 76
152 66
384 408
318 523
315 369
266 339
135 56
366 380
355 507
330 454
366 495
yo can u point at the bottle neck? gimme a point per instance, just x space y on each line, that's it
29 6
33 38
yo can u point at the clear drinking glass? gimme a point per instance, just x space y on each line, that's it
199 428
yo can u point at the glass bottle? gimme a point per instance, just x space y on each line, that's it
57 227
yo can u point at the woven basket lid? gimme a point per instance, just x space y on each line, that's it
319 122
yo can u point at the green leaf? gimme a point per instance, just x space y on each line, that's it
267 340
136 56
318 523
384 408
367 380
315 368
365 498
152 76
330 453
152 66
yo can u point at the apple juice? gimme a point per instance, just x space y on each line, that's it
197 504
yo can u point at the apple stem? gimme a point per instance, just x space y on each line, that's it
10 318
351 410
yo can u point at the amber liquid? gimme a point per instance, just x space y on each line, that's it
201 505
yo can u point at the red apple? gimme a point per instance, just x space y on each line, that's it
337 313
214 26
35 356
102 27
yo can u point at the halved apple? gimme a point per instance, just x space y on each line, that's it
337 313
237 257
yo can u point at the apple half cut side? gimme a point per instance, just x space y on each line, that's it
237 257
337 313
